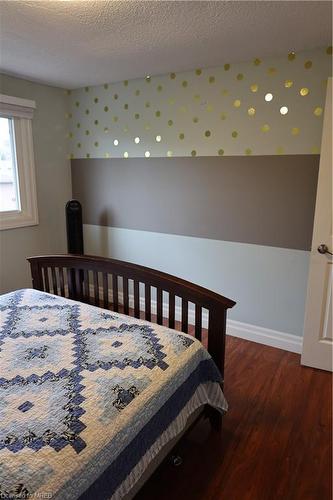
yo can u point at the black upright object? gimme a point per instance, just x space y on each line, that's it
74 227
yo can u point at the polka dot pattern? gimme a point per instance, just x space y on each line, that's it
304 91
192 113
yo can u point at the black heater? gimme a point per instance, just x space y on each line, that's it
74 227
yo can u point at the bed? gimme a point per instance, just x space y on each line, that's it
92 395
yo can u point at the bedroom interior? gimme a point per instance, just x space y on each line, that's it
166 249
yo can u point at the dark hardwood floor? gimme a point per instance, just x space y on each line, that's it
275 441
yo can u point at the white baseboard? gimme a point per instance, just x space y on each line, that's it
266 336
253 333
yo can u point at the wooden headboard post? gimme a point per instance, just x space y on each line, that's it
98 281
36 274
216 337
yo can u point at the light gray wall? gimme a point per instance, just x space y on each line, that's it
268 283
53 183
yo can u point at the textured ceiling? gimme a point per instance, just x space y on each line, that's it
77 43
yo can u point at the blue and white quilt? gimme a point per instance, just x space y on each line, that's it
88 397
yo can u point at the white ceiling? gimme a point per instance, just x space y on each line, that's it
76 43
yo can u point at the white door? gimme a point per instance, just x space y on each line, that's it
318 341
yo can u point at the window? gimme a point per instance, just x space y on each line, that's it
18 203
9 189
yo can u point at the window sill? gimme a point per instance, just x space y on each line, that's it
15 219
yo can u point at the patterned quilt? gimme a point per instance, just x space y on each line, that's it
88 397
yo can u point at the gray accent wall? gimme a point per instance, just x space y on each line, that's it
261 200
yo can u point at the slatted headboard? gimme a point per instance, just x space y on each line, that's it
105 283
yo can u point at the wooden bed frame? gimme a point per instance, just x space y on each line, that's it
100 281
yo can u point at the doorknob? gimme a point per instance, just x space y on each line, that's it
324 249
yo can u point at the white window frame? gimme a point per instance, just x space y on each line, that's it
21 111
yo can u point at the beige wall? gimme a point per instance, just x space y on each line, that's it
53 184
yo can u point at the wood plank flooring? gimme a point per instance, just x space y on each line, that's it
275 441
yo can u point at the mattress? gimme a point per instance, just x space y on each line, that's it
89 397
